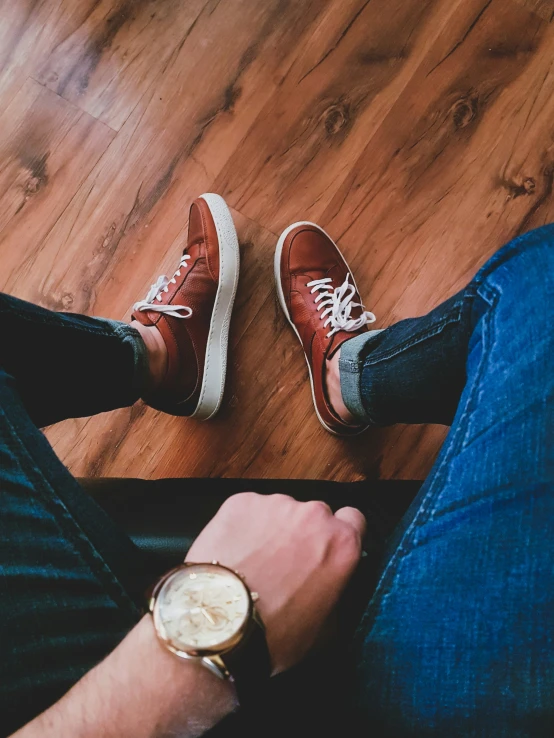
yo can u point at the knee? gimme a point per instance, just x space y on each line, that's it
522 273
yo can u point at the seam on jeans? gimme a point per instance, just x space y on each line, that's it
141 369
369 417
428 504
54 501
351 374
363 415
453 317
352 367
123 330
490 295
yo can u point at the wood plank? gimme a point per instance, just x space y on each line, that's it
47 148
29 31
108 62
337 93
543 8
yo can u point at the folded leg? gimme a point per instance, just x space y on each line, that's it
457 639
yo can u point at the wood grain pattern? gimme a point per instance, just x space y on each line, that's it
336 94
543 8
29 32
107 64
418 132
46 149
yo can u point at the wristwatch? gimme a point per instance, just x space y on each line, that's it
206 613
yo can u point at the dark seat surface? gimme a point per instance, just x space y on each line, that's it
164 516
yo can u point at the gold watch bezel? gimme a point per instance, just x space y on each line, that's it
209 656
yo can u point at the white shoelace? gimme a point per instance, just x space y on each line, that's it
155 293
338 304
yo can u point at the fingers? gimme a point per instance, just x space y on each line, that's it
353 517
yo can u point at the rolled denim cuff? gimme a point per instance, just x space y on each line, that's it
351 363
131 336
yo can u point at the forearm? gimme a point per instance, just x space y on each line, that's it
139 691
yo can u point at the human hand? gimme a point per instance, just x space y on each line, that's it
297 556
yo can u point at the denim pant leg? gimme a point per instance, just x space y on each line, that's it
68 365
71 583
412 372
457 639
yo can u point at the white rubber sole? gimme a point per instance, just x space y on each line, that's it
215 366
278 285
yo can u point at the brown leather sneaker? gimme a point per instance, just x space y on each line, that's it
192 311
321 301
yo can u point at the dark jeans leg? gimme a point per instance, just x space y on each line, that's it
457 639
67 365
71 583
414 371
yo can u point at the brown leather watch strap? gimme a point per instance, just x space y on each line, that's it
250 664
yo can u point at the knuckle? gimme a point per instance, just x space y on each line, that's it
239 500
317 508
348 543
281 499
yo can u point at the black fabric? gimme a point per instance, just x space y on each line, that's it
164 516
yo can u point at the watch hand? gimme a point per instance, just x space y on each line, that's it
207 615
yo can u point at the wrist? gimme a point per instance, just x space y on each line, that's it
139 691
183 696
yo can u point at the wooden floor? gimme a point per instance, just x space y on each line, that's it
419 133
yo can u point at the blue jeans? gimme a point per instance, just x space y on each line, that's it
457 636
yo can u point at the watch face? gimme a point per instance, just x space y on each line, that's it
201 607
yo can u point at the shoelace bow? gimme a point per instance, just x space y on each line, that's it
154 297
338 306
